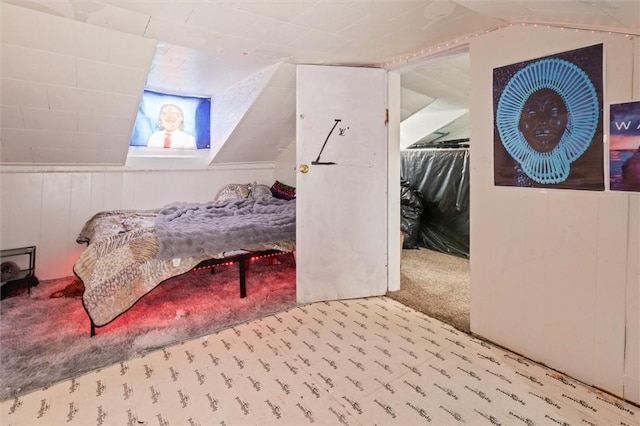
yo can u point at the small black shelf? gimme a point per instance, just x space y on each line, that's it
25 278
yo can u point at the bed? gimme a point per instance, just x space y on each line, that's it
130 252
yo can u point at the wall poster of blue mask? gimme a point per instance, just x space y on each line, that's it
548 121
624 146
172 122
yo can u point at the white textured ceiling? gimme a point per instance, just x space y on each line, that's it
73 71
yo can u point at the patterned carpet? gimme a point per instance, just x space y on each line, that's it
354 362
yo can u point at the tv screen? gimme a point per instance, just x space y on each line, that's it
172 121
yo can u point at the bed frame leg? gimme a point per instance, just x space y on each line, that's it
93 329
242 265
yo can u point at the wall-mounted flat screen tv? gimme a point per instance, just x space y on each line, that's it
172 122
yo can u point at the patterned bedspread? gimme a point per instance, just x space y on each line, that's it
120 263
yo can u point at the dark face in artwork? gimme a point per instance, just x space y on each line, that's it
543 120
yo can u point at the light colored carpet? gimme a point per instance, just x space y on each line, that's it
44 341
436 284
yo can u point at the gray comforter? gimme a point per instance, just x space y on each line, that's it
121 262
185 230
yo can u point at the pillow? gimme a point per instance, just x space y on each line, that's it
283 191
232 191
260 191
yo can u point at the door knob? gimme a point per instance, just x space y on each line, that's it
304 168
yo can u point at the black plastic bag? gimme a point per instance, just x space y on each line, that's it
442 177
410 214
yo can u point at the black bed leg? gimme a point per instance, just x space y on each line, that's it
243 278
93 330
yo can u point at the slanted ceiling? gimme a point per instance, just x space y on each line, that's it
70 91
258 129
73 71
435 99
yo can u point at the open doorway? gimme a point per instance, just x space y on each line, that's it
435 143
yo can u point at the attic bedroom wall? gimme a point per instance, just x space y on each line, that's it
286 167
48 209
53 179
555 274
47 205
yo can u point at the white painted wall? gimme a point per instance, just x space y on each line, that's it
47 208
285 167
394 102
554 273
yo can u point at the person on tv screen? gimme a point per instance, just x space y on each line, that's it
170 130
